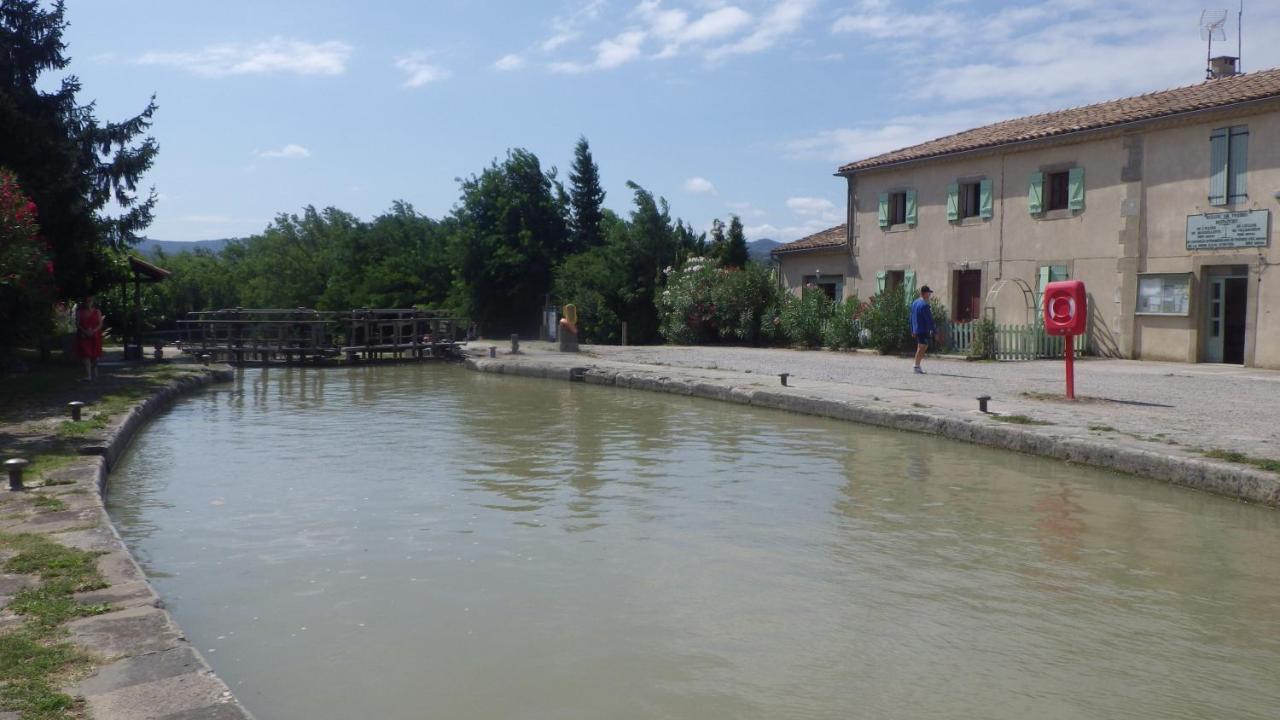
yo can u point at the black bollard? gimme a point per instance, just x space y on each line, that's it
493 351
982 403
515 343
784 377
15 468
75 406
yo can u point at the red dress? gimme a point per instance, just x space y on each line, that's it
89 333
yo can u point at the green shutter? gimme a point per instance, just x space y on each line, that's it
953 202
909 284
1057 272
911 207
984 199
1218 167
1237 164
1035 196
1075 188
880 281
884 210
1045 273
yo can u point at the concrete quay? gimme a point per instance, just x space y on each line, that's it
1145 419
143 666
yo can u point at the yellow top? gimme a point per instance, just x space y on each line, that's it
571 313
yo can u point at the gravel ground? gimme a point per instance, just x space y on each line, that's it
1195 406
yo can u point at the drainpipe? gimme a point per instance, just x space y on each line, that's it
1003 200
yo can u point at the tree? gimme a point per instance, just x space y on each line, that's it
71 165
735 249
26 288
512 232
586 200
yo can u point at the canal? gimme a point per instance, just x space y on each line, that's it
423 541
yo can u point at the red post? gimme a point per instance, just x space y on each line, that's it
1071 367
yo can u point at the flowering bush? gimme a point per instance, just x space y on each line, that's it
687 307
803 317
26 267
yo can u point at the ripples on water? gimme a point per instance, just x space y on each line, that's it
417 541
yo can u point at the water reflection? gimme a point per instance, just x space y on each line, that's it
424 541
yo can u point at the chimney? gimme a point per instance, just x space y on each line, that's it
1223 66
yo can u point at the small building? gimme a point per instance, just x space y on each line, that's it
821 259
1161 203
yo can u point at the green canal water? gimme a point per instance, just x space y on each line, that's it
427 542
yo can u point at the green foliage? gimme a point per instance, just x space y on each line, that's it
983 346
687 305
72 165
886 317
586 199
840 328
742 294
803 317
735 249
26 268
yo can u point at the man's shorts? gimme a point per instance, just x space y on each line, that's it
922 338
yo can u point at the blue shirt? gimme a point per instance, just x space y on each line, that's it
921 317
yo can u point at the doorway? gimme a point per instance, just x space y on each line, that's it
968 299
1226 307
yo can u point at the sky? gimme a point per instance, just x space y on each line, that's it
723 107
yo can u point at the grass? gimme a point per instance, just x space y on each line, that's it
1020 420
48 503
1102 428
35 657
48 462
1242 459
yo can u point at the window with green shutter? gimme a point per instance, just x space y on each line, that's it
880 281
911 208
1075 188
897 208
953 202
1218 140
985 202
884 210
1035 194
1228 165
909 284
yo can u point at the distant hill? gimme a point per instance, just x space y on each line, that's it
759 250
148 246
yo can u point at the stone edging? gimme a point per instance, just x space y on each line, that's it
151 670
1235 481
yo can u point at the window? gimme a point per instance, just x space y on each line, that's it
1057 190
891 280
897 208
1164 294
970 200
832 285
1228 163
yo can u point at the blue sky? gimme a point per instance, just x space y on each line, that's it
721 106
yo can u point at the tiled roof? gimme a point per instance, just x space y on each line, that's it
830 238
1204 96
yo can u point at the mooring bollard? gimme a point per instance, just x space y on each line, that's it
205 359
982 402
75 406
493 351
784 377
515 343
15 467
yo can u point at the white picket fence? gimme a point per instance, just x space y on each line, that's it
1013 342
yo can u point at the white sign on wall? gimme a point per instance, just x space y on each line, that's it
1215 231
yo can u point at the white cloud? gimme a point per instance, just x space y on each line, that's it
566 29
746 210
785 18
611 53
699 186
674 29
288 152
810 205
418 71
509 62
785 233
847 144
277 55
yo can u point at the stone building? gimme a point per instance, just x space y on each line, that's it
1160 203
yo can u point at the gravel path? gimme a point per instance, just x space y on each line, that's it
1196 406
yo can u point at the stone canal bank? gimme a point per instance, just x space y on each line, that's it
1210 428
109 648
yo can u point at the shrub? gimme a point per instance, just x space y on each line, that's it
687 308
887 320
741 296
804 316
841 328
26 268
984 340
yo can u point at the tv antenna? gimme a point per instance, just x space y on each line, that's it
1211 28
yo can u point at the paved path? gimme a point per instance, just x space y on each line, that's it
1195 406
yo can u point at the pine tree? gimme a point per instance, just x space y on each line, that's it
735 249
586 199
71 164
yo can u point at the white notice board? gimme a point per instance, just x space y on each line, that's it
1216 231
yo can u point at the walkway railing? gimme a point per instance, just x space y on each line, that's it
1012 342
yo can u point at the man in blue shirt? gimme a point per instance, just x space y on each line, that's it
921 324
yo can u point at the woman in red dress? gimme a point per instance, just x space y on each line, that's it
89 336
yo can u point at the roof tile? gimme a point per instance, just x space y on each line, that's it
1203 96
829 238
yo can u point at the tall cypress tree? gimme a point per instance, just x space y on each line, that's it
735 251
71 164
586 199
